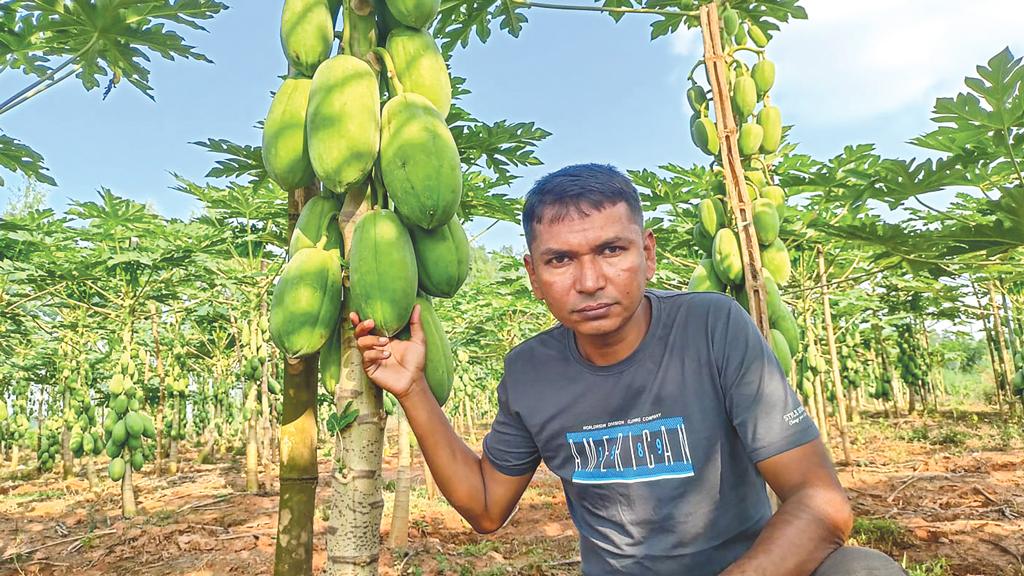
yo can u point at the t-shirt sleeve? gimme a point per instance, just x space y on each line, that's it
509 445
765 411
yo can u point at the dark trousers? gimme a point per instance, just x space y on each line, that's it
853 561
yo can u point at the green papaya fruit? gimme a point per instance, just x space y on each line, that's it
343 122
382 271
134 443
138 460
307 34
705 279
440 366
112 448
3 410
740 37
442 258
116 384
705 135
330 361
766 221
785 323
88 443
781 349
120 433
317 217
420 67
775 258
116 469
696 97
701 239
134 423
76 445
726 256
769 118
756 177
763 74
414 13
750 139
778 197
774 296
419 161
757 36
120 405
744 96
306 302
285 153
97 445
148 430
712 215
730 21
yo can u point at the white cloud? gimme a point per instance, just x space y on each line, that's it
855 61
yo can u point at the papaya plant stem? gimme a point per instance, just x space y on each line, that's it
529 4
735 49
693 69
35 89
388 66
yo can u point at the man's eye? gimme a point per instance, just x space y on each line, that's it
559 260
612 249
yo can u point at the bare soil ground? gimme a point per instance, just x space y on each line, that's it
942 493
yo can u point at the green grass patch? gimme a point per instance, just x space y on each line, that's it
937 567
478 549
161 517
37 495
879 533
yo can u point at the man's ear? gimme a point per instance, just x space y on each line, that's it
534 285
650 251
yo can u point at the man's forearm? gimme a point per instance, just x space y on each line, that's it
454 466
803 532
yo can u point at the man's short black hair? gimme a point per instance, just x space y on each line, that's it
578 190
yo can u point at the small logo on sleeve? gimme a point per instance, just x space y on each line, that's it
636 452
796 416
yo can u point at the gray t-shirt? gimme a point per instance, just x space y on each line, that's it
656 453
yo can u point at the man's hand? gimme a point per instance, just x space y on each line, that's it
392 364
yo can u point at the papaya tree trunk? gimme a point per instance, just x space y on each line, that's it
128 508
1000 338
293 554
252 477
265 423
837 381
15 454
89 463
399 538
67 459
1010 321
356 506
163 392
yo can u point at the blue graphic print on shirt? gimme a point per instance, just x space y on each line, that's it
637 452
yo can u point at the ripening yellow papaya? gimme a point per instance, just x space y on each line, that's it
343 122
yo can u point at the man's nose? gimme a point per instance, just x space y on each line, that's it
590 276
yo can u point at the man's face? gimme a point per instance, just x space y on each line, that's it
591 270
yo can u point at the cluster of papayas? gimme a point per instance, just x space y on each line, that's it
125 424
326 122
723 262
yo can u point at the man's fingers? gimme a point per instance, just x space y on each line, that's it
353 318
371 357
371 342
363 328
416 326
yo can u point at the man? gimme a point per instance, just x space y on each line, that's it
663 413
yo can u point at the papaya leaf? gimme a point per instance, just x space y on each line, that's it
105 39
17 157
242 160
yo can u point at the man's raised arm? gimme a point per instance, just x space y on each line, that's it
481 494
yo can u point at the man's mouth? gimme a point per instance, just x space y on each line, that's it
593 307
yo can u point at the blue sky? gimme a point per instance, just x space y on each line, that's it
854 72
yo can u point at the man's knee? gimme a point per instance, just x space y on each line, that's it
853 561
